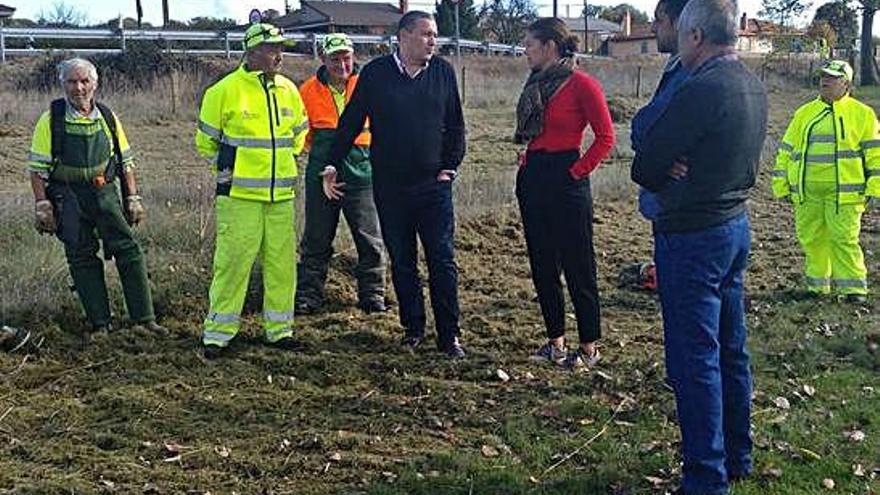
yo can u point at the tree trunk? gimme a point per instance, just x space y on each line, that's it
867 54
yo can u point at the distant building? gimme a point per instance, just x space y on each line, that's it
757 35
6 12
344 17
632 40
600 30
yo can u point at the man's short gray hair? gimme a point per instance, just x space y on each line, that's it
71 64
716 19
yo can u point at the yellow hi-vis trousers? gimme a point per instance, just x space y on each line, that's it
247 229
829 235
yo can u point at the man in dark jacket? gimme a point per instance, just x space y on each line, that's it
709 139
417 145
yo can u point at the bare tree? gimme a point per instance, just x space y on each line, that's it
784 11
506 20
61 14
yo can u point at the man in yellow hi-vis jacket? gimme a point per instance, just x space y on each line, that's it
829 166
252 125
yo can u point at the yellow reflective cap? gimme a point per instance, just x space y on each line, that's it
263 33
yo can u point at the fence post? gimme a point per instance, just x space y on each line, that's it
486 48
314 45
463 85
2 43
810 74
639 82
226 44
122 36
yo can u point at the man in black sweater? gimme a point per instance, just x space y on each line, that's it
709 140
418 143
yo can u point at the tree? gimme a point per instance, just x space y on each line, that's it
869 8
203 23
61 15
467 17
840 18
506 20
615 14
594 10
784 11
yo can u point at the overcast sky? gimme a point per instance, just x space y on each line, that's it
183 10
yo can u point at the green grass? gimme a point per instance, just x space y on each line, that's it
132 413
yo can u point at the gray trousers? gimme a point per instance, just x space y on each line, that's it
316 247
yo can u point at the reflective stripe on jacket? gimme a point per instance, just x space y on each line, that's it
855 151
252 128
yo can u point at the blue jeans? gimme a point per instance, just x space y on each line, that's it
421 211
700 276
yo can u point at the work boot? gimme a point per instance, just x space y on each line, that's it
151 327
212 352
859 299
304 307
287 344
370 306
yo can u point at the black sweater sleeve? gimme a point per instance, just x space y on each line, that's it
351 123
687 118
453 127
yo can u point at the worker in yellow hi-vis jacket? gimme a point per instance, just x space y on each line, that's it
252 125
829 166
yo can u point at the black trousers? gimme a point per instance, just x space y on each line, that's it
421 211
557 215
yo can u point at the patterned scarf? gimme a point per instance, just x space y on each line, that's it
539 88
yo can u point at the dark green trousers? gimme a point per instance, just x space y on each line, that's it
85 214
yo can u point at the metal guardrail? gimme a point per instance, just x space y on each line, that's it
227 39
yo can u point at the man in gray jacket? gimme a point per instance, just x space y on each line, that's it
709 141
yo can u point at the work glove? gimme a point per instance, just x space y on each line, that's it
44 216
134 208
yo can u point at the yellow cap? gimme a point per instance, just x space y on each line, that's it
263 33
837 68
336 42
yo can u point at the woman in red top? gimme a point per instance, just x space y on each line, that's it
553 185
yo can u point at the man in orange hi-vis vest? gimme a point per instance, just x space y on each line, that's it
325 95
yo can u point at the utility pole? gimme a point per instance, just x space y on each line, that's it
140 12
555 8
457 33
586 28
165 13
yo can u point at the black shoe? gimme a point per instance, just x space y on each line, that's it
856 299
453 350
411 341
372 306
304 307
287 344
212 352
105 328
